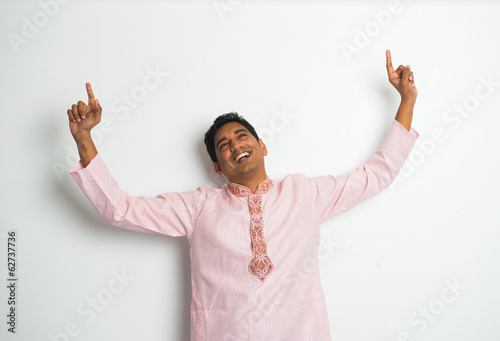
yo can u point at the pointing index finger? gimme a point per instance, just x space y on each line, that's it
90 93
388 62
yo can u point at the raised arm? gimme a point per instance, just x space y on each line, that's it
402 79
82 118
172 214
333 194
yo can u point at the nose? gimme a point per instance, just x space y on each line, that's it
234 144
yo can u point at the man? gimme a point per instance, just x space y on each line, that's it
248 237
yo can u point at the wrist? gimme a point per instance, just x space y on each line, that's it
82 136
408 101
86 147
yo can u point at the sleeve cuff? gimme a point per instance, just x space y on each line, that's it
399 126
96 166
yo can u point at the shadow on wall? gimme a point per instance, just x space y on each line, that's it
75 202
84 211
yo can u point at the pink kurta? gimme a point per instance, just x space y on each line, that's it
228 302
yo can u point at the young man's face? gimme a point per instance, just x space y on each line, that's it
240 156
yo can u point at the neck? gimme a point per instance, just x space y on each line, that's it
252 183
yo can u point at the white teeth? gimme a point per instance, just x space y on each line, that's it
239 157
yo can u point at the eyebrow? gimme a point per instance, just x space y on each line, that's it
236 132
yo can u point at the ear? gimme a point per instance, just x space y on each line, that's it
217 169
263 146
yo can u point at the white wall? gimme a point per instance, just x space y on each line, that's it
385 263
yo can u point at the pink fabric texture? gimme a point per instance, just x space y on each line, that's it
229 302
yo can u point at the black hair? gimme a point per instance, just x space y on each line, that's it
219 122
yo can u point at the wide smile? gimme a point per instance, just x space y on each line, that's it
241 156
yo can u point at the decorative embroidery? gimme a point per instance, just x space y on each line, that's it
261 265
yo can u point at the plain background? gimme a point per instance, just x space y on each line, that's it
385 263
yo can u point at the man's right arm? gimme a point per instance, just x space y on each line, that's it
172 214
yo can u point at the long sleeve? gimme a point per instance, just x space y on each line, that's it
334 194
173 214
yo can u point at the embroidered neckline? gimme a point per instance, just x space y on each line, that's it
242 191
261 265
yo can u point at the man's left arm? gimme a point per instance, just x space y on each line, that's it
333 194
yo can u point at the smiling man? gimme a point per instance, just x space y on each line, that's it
250 238
239 153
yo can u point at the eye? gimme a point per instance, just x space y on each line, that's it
223 145
242 135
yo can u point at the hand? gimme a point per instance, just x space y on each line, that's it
402 79
83 117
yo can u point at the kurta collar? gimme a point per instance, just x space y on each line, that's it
243 191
